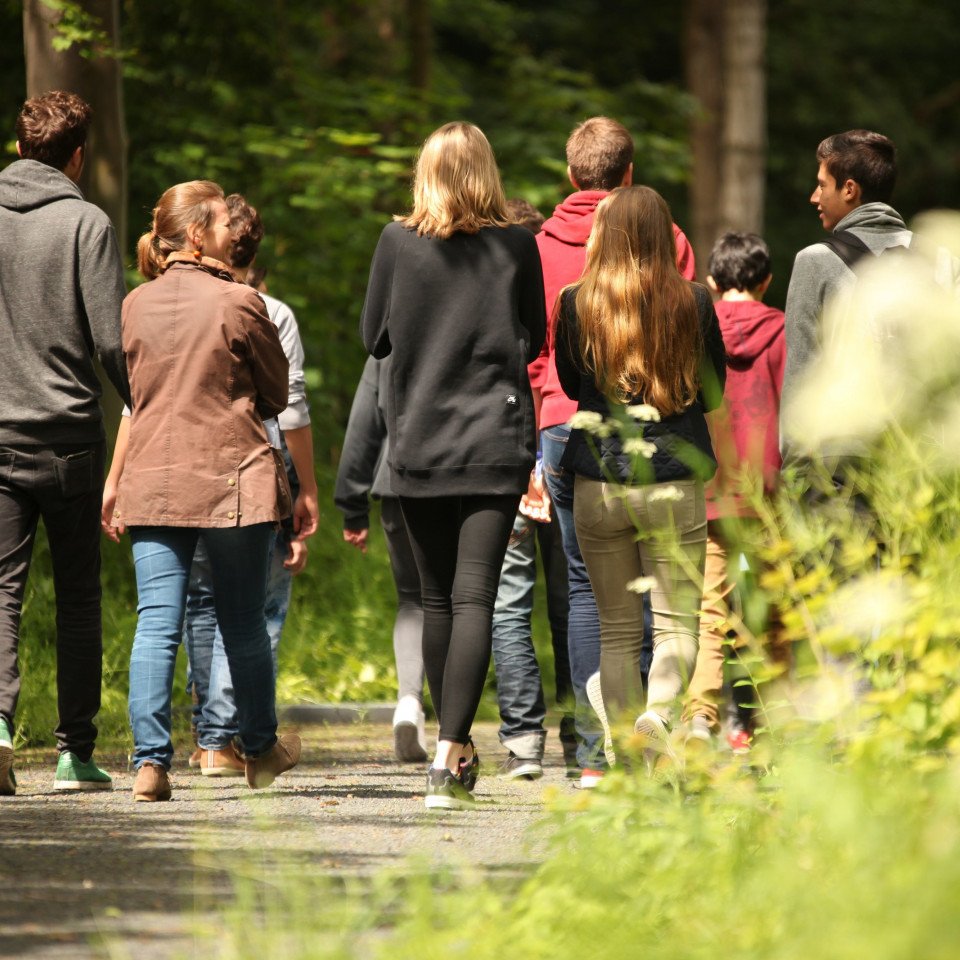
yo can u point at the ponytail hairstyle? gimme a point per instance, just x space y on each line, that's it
638 320
183 206
457 184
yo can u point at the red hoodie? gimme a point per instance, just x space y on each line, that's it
562 241
754 341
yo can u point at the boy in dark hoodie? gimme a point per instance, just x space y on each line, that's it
747 450
599 159
61 286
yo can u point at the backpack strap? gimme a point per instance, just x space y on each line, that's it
847 246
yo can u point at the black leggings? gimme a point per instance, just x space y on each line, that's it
459 544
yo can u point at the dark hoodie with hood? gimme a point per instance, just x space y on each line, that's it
562 241
748 444
61 288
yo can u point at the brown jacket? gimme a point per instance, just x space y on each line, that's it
205 366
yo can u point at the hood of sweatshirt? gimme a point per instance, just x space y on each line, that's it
877 224
572 220
748 327
28 184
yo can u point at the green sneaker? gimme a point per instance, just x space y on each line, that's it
8 782
72 774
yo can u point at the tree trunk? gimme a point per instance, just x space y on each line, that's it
743 168
98 80
703 66
418 18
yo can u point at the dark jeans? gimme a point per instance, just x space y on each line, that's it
458 543
62 484
519 687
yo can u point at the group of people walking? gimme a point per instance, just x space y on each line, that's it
571 375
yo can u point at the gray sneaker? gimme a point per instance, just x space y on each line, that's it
516 768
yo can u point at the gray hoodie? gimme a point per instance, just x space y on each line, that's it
61 287
818 273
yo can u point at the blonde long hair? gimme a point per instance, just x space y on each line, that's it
182 206
457 185
638 321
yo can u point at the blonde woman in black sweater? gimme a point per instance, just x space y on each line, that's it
456 298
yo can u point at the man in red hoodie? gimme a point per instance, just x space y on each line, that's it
747 448
599 159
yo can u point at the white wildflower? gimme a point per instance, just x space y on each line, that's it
637 445
587 420
643 411
668 493
642 584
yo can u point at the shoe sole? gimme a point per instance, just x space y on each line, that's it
447 803
150 798
524 771
81 786
595 697
406 744
7 787
221 772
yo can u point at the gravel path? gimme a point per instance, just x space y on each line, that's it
95 875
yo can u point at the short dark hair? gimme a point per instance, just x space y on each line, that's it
867 158
524 214
247 230
598 153
739 261
51 127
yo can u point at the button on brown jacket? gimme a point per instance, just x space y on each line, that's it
206 367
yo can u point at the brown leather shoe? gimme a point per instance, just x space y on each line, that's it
195 758
221 763
152 783
282 756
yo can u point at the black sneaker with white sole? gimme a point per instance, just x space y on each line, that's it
470 769
516 768
446 792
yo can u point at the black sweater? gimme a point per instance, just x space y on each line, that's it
682 442
363 465
461 318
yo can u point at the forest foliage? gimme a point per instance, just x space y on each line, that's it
315 112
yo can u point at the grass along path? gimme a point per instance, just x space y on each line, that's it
96 875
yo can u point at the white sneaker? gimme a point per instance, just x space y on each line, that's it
409 733
595 696
699 729
652 729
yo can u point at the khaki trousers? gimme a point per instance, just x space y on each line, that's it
654 531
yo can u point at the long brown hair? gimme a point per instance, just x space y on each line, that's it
182 206
457 185
639 328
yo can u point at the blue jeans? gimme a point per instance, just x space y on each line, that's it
215 711
584 623
583 632
519 687
162 560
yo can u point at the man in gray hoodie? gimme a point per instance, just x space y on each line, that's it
61 287
855 179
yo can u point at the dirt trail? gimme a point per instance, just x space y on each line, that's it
82 870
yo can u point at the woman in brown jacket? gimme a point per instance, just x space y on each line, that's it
206 368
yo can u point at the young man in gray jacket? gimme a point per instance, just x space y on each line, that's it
855 179
61 287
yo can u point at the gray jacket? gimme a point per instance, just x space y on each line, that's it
818 274
363 466
61 287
